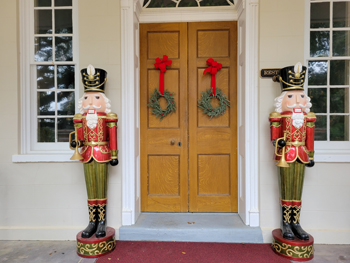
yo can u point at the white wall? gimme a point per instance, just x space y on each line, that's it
48 200
325 212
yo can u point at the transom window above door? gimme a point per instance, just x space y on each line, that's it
186 3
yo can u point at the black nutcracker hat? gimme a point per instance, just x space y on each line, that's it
93 79
292 77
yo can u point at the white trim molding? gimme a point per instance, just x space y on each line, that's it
247 90
130 121
248 159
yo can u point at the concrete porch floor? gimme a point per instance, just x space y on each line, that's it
64 252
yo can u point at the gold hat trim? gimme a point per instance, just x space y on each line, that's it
95 88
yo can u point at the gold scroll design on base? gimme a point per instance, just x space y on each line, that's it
96 248
293 251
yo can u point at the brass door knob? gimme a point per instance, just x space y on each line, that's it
172 142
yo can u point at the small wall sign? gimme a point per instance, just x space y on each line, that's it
269 72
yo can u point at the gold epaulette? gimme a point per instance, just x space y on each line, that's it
274 115
112 115
78 116
311 115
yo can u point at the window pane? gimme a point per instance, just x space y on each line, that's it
43 48
321 128
65 103
188 3
339 128
63 21
65 77
318 100
160 3
341 14
64 127
46 103
339 72
319 43
42 22
341 43
45 77
317 72
339 100
63 2
214 2
63 48
46 130
42 3
319 15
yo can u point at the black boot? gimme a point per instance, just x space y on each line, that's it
91 228
286 229
102 221
296 228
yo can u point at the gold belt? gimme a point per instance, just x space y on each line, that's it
296 143
95 143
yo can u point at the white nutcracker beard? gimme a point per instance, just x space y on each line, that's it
91 119
298 119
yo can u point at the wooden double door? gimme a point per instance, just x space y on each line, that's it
188 161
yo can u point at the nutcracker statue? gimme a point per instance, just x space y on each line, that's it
292 134
96 134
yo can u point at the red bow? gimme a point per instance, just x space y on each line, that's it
213 69
161 64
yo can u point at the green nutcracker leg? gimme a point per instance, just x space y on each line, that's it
291 182
298 189
96 175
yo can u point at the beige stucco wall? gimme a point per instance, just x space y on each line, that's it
48 200
325 213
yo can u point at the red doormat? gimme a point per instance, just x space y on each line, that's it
168 252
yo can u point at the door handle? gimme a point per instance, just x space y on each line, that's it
172 142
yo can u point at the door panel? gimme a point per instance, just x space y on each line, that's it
205 162
164 165
212 142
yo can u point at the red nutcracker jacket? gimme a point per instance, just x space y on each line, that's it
299 141
99 143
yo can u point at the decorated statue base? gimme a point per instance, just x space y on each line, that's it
94 247
298 250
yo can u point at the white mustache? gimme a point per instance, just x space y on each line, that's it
294 105
96 107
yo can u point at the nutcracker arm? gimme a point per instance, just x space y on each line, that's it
112 120
310 134
275 127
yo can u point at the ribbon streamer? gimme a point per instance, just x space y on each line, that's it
161 64
213 68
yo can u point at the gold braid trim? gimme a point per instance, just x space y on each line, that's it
296 212
111 124
92 211
287 213
101 212
95 88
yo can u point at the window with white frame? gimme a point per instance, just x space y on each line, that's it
328 58
50 74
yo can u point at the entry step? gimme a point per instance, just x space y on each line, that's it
191 227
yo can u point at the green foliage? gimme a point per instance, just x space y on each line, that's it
154 103
205 103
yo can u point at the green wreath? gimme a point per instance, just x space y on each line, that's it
154 103
205 103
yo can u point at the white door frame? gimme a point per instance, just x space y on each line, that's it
246 12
